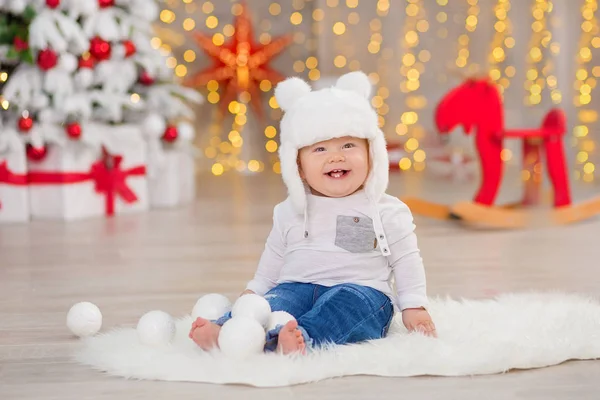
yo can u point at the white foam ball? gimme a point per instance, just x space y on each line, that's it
186 131
279 318
252 306
156 328
289 91
241 337
84 319
154 126
211 306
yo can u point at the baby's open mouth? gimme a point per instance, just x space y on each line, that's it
338 173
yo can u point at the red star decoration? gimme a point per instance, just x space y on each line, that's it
240 64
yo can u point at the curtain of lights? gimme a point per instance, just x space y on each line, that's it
540 52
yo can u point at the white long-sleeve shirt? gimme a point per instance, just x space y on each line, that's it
340 245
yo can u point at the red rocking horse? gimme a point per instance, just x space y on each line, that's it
477 105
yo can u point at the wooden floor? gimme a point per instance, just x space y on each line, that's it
166 259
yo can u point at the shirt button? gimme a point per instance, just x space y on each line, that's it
305 234
356 219
381 237
385 250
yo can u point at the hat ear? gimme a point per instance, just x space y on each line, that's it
289 91
357 82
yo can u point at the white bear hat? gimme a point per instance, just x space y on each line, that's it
332 112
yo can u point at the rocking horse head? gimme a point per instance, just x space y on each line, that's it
476 103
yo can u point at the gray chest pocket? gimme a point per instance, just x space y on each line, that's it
355 234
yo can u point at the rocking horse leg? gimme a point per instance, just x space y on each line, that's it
481 212
489 150
557 171
565 212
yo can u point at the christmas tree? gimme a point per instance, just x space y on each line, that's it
88 60
82 76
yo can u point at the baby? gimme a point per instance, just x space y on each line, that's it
338 239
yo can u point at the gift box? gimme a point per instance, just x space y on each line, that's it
172 179
14 192
77 180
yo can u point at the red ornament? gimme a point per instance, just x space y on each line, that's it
52 3
170 134
36 153
241 64
86 61
106 3
20 44
146 79
73 130
47 59
129 48
25 124
100 48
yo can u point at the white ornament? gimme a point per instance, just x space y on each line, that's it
252 306
211 306
154 126
84 319
279 318
241 337
17 6
67 62
84 78
148 10
83 7
118 52
47 115
39 101
156 328
186 131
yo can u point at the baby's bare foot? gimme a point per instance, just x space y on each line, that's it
205 333
290 339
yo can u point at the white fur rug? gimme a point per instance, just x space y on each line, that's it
514 331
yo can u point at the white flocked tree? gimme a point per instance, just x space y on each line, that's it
90 61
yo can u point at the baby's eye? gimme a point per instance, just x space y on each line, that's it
348 145
319 149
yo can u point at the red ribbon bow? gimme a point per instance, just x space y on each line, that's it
107 175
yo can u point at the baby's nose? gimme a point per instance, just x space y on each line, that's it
336 158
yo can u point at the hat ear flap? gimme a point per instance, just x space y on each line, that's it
357 82
289 91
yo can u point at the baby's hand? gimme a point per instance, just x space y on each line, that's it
418 319
247 291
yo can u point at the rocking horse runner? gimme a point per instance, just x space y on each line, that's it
477 104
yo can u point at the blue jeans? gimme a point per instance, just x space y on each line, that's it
340 314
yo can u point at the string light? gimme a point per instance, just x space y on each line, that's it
413 66
538 45
585 82
471 22
501 43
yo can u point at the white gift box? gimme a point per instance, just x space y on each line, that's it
14 192
77 180
172 180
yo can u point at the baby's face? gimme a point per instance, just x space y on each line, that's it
336 167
